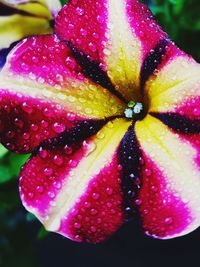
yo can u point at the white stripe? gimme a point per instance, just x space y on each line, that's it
89 166
177 161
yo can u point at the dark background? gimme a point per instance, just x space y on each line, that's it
128 247
24 243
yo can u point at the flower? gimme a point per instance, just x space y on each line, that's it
109 108
22 18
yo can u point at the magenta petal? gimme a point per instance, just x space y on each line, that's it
25 122
89 25
43 93
117 35
76 190
99 211
162 212
170 191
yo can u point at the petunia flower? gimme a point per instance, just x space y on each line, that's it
22 18
110 109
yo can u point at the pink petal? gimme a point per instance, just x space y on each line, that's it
175 88
163 213
43 92
76 190
117 35
170 193
25 122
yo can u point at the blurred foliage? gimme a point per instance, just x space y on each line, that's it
64 1
180 18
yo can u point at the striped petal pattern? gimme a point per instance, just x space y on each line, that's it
118 46
76 189
44 92
110 109
170 194
177 92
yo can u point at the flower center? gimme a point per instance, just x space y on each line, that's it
134 110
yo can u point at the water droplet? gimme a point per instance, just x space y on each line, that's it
35 59
34 127
92 47
148 172
58 127
26 136
72 163
119 167
68 150
27 108
57 185
44 124
138 202
40 188
58 160
93 229
43 153
88 147
10 134
93 211
95 196
80 11
19 123
30 195
109 191
168 220
83 32
87 204
51 194
48 171
154 188
100 135
77 225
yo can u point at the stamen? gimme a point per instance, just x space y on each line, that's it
128 113
133 110
138 108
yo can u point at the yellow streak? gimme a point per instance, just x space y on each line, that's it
76 185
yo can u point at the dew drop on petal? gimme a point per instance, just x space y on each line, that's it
58 160
58 127
77 225
48 171
109 191
40 189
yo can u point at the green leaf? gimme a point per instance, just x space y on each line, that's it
3 151
173 1
16 162
5 174
63 2
10 165
42 233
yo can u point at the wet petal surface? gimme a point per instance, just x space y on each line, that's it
43 92
118 46
176 88
76 190
170 181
